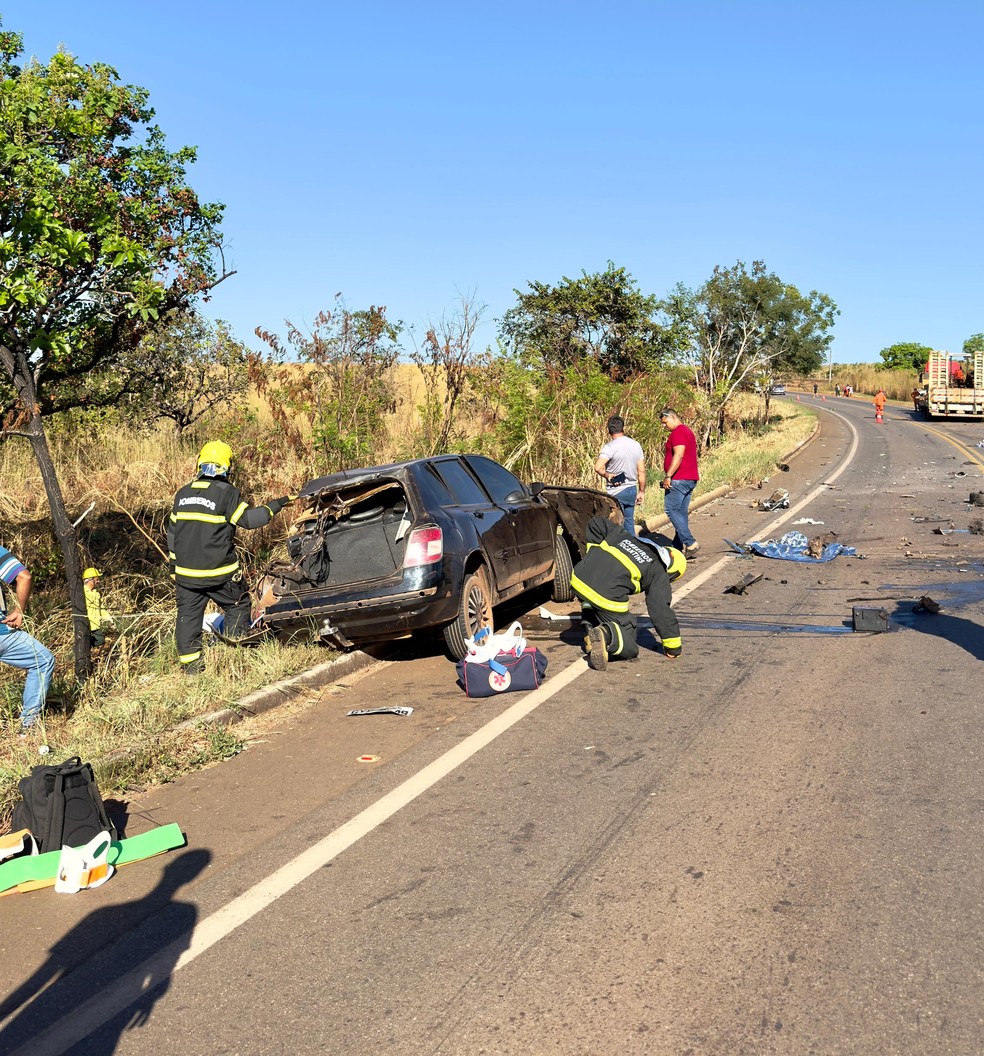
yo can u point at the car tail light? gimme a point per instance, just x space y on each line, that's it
424 547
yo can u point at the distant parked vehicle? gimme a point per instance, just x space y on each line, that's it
777 388
953 386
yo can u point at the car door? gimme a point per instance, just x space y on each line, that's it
491 521
534 524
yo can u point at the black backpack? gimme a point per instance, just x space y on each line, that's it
62 806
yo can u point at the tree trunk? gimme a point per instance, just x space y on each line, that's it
68 540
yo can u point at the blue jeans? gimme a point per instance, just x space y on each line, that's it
676 503
19 649
626 498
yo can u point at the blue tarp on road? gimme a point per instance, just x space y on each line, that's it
792 547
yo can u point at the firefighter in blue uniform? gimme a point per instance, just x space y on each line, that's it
616 566
201 549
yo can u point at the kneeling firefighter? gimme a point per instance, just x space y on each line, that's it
616 566
202 553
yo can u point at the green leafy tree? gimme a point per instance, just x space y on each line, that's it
974 343
100 234
183 368
906 355
603 316
741 323
550 424
334 384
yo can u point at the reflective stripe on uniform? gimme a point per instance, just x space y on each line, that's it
617 642
200 483
630 566
240 510
597 600
207 573
208 518
190 658
672 643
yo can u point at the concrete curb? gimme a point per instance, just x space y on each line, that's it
257 702
653 523
270 697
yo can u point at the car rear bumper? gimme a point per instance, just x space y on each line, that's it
362 616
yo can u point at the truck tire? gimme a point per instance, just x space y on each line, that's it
563 567
474 611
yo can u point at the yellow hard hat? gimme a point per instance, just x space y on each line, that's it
91 573
215 459
678 563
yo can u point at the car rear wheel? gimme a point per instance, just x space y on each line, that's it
563 567
474 611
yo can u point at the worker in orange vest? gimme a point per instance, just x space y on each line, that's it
879 402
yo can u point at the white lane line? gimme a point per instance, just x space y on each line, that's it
91 1015
98 1010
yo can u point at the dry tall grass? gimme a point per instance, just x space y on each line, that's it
865 379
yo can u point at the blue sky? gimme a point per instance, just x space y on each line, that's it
408 154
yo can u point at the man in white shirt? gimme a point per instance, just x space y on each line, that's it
622 464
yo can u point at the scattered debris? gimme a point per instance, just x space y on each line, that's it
741 587
806 520
794 546
783 467
976 526
778 500
977 498
872 620
926 604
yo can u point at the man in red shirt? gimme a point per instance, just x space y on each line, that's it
681 476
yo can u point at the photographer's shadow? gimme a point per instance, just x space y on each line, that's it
965 633
115 990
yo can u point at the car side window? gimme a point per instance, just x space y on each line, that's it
498 481
434 491
461 483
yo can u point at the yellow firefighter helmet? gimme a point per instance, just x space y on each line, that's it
215 459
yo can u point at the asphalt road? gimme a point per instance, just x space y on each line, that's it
772 845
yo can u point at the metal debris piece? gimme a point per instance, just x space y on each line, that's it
926 604
871 620
778 500
976 526
741 587
382 711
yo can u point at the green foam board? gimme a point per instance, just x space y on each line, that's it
40 870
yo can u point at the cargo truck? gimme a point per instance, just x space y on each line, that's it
953 386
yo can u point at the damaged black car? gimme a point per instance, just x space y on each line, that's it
433 543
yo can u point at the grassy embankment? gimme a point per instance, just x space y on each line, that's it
124 718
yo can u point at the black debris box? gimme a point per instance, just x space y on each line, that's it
870 619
